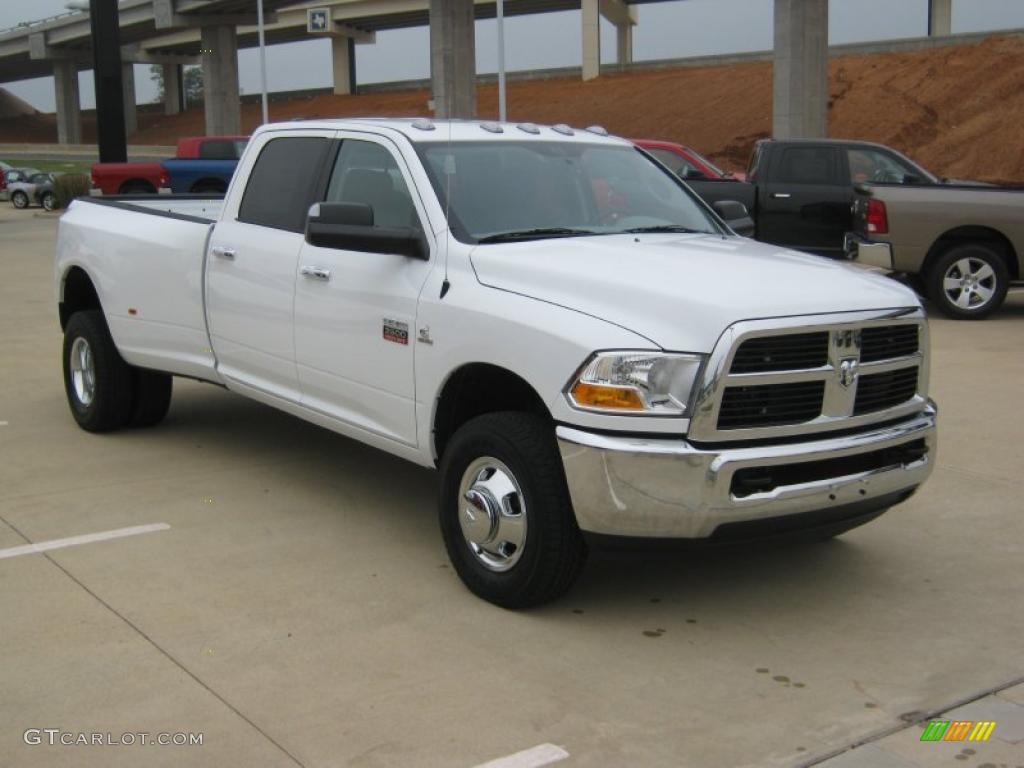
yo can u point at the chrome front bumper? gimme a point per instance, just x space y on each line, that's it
670 488
867 252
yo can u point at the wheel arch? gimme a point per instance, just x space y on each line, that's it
77 293
990 236
209 184
137 183
474 389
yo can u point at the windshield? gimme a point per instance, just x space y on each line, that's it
518 190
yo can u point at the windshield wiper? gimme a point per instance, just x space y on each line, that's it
665 228
536 234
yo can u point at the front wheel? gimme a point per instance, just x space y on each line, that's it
968 282
20 199
48 201
505 512
97 381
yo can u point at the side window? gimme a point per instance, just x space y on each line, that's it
807 165
678 165
281 183
872 165
367 173
218 149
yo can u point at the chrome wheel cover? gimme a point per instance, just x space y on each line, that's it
83 371
492 514
969 283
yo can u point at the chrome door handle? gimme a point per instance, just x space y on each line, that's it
781 195
222 252
317 273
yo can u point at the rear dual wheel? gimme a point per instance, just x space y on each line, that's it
103 391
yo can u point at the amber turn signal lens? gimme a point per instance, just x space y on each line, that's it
598 396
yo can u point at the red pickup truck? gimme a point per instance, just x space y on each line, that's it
205 174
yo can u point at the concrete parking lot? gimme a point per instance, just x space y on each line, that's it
298 609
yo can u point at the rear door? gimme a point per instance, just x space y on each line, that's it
252 262
355 312
805 199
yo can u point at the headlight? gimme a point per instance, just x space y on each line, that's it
641 383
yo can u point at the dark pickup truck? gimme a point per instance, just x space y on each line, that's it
800 192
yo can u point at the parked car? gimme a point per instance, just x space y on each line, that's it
549 317
962 245
11 175
203 164
685 162
36 189
799 192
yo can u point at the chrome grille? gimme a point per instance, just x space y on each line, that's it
781 353
797 376
770 404
878 391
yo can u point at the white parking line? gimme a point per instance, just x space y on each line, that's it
74 541
542 754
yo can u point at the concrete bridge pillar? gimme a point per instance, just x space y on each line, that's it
453 58
172 89
131 115
69 109
940 18
220 80
591 29
343 58
800 101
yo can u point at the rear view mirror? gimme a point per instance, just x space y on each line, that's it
350 227
692 174
735 214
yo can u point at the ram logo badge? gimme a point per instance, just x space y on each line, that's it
848 371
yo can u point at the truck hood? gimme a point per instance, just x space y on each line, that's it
682 291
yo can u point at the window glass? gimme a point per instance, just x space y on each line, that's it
872 165
502 187
221 149
807 165
367 173
678 165
281 184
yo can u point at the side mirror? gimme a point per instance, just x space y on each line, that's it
350 227
735 214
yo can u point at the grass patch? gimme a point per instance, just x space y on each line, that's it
49 165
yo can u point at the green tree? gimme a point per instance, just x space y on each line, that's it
193 77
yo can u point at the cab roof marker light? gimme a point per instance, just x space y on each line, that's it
423 125
530 128
563 129
599 130
492 127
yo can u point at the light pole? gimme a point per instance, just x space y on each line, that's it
263 59
106 57
501 61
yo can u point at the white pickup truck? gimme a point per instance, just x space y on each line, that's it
551 318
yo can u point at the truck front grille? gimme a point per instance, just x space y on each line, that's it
884 342
770 404
879 391
781 353
801 376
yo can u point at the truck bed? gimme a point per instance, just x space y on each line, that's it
145 255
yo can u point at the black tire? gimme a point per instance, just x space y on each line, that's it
971 260
110 406
208 188
553 552
151 397
19 199
48 201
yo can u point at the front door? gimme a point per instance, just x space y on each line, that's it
806 202
355 312
251 265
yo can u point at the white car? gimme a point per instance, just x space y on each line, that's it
578 343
